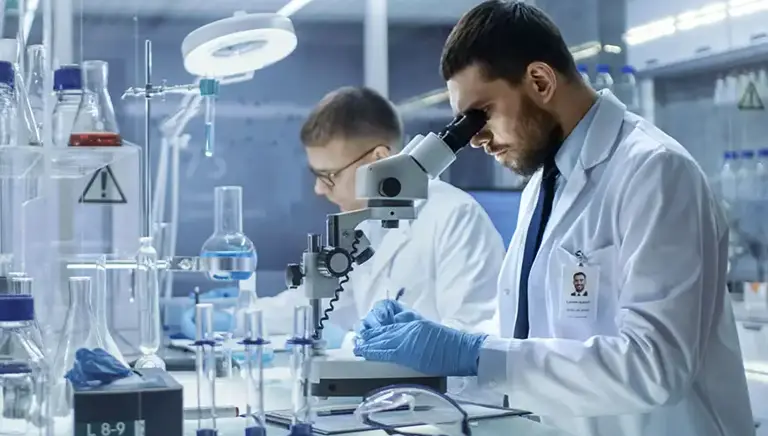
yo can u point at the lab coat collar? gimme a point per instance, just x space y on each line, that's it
603 130
568 155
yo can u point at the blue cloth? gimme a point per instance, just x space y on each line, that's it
424 346
95 368
387 312
532 242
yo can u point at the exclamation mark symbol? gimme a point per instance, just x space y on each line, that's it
104 184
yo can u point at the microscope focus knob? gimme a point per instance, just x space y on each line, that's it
293 275
390 187
334 262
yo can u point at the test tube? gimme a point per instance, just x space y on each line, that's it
301 365
205 362
148 297
209 89
254 353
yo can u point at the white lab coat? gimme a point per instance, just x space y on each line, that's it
447 260
661 356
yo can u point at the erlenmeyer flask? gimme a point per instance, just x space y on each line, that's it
95 123
78 333
228 253
100 293
35 83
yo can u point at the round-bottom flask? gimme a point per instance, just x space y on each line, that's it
228 254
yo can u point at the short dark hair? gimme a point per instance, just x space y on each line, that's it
503 37
579 274
352 113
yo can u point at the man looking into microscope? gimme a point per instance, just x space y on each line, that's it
446 262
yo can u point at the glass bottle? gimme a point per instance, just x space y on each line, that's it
68 86
95 123
228 254
35 84
22 365
301 365
100 293
148 299
8 106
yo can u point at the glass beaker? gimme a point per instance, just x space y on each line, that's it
95 123
228 254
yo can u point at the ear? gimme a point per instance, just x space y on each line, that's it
542 82
381 152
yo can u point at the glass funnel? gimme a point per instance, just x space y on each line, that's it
95 122
228 254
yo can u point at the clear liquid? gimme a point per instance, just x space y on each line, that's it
245 258
16 402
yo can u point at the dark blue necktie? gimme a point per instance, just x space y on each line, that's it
532 243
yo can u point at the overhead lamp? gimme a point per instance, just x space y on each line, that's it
238 44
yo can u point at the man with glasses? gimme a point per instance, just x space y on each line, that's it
444 264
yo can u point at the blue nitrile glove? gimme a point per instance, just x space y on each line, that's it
424 346
95 368
388 312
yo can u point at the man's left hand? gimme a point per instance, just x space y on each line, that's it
424 346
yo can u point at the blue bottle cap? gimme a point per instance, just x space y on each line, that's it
763 152
747 154
7 74
603 68
17 308
67 78
727 155
628 69
300 430
582 68
255 431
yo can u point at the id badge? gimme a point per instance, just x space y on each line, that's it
580 288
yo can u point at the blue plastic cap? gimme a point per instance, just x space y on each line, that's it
747 154
301 430
6 73
628 69
582 68
68 78
255 431
17 308
763 152
603 68
727 155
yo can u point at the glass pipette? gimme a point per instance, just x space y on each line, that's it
301 364
254 343
205 363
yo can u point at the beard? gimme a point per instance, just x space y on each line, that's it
540 138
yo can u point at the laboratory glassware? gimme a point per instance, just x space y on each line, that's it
68 86
8 111
254 343
95 123
418 408
627 88
22 365
36 91
228 254
21 284
603 79
205 363
148 298
100 293
209 90
79 332
584 73
301 366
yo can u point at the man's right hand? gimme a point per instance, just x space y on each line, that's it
388 312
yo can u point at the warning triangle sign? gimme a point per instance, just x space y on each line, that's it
103 189
751 99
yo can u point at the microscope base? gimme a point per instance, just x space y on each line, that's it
336 375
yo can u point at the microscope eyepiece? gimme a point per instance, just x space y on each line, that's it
458 133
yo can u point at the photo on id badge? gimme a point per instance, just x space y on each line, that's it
580 283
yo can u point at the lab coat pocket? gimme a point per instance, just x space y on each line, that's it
584 299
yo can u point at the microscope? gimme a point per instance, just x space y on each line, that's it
391 186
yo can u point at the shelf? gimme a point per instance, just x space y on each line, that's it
726 60
18 162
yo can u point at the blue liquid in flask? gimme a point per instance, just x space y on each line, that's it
247 259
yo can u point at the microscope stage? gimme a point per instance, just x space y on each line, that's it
341 374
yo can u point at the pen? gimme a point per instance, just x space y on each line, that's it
351 410
399 294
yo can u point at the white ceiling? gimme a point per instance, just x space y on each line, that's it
417 11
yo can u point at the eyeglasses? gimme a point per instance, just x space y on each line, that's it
398 406
328 177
